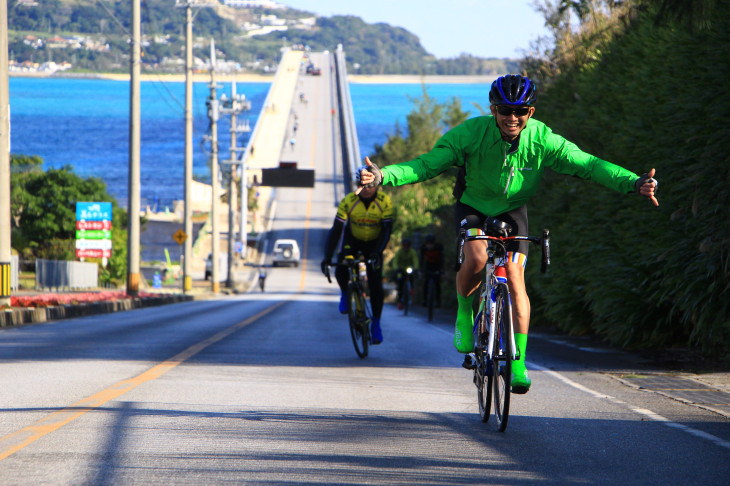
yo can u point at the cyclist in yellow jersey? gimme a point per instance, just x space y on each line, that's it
364 222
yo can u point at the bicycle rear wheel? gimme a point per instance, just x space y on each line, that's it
430 297
357 313
502 357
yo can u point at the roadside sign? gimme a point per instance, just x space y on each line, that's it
93 211
93 225
180 237
93 244
91 253
94 230
94 234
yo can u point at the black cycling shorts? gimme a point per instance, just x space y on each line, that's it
467 217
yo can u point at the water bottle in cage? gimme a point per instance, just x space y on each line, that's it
362 270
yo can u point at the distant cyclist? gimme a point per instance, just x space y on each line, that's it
364 221
501 159
262 277
432 266
405 257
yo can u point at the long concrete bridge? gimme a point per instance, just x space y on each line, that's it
306 121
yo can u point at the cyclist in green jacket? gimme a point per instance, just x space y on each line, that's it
405 257
501 159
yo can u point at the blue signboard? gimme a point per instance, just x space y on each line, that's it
93 211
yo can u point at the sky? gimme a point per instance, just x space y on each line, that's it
447 28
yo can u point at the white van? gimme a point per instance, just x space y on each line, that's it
286 252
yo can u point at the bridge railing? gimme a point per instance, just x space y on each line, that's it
350 145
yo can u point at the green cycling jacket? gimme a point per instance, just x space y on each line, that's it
501 176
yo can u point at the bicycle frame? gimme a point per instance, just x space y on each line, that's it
357 272
495 275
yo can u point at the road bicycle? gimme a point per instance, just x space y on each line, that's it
494 339
359 313
430 284
406 289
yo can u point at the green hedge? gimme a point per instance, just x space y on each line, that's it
656 96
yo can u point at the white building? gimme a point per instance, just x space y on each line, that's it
252 4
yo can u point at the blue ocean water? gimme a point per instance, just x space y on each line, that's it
84 123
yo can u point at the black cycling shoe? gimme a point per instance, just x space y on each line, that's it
468 362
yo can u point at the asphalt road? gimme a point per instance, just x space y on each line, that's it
267 389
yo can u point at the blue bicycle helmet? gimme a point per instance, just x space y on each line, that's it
512 89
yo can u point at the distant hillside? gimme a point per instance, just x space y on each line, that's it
93 36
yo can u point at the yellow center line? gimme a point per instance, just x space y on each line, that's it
12 443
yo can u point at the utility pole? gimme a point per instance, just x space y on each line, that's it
233 106
4 159
188 219
232 196
133 231
244 189
188 244
213 114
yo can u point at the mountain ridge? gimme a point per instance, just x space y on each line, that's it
248 39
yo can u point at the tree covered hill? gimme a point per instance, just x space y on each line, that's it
101 32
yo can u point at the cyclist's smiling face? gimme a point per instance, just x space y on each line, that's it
511 124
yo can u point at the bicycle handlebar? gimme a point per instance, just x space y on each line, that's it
544 241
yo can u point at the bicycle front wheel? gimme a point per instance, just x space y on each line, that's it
430 297
502 357
406 295
483 372
357 313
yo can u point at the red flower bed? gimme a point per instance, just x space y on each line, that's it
46 300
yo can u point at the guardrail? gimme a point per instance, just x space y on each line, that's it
350 144
65 275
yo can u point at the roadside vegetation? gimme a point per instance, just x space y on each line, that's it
642 85
43 215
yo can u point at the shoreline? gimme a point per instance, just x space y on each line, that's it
268 78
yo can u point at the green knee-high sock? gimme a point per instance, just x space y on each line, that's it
465 313
518 366
463 337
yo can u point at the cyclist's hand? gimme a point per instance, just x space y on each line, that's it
325 269
647 186
370 176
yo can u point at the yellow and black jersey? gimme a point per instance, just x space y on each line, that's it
365 221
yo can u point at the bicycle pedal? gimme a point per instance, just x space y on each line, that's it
468 363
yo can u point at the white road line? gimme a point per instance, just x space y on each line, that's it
641 411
